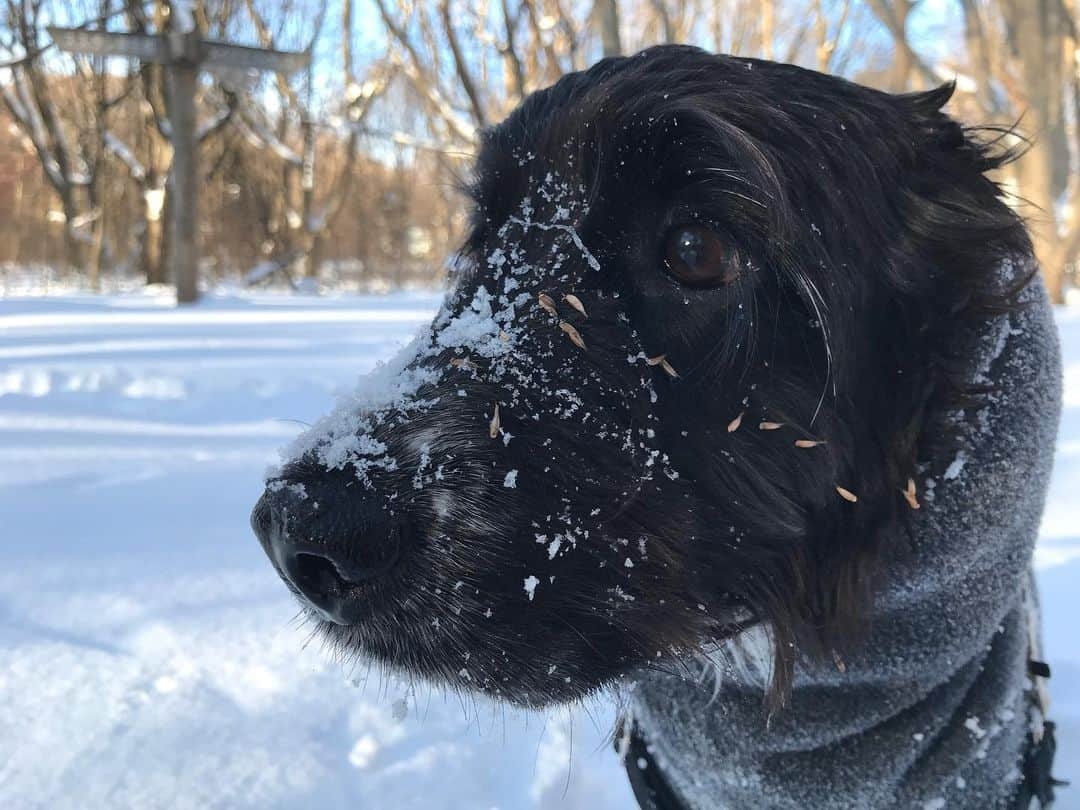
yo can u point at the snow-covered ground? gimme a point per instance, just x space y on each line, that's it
149 657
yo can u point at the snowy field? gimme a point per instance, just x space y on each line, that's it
148 655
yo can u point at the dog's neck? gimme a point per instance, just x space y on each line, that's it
935 705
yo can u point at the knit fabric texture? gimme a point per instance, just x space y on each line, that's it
933 709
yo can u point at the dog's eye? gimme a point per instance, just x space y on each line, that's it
696 255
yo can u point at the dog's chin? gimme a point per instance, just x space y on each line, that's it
546 696
519 684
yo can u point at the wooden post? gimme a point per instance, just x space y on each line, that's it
182 75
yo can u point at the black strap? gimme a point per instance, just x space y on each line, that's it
1039 669
1038 782
649 785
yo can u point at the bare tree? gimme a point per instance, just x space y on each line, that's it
387 142
306 216
447 51
68 136
826 36
606 14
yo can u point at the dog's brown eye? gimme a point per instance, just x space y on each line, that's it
696 255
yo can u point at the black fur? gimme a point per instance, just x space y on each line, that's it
867 234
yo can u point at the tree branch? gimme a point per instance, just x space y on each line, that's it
886 13
462 69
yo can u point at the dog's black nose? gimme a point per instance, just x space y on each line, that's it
327 542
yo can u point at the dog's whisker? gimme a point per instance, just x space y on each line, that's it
569 756
813 295
750 200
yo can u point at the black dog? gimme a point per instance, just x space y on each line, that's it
720 328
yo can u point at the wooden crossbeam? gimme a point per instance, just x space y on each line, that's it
144 47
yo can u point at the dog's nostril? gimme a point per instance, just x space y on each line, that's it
335 571
328 578
316 576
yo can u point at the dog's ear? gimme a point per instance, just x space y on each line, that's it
958 255
930 102
961 254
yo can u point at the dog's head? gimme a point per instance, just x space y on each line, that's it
693 347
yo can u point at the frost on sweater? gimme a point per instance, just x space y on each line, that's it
933 710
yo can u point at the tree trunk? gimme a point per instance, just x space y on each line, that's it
313 260
904 60
153 241
72 247
1036 176
183 253
1036 30
164 237
768 28
98 253
607 17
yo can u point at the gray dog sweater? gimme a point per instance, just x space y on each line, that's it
933 710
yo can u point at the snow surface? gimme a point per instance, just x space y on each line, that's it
149 657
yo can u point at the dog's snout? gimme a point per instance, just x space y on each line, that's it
326 546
